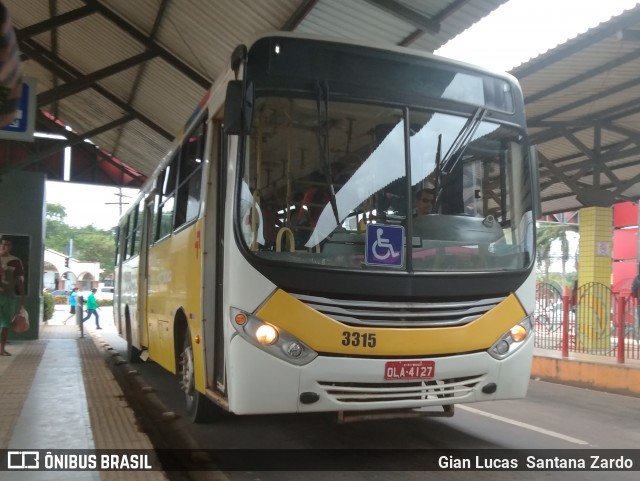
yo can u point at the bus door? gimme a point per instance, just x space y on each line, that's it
143 272
213 261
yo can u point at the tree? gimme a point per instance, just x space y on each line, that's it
548 234
89 243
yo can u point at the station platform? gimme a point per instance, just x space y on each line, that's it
602 373
58 392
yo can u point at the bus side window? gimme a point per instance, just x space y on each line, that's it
124 238
167 199
137 235
189 177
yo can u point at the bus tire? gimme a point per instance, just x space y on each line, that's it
133 353
199 408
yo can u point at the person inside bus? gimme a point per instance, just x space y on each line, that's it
313 201
301 234
424 202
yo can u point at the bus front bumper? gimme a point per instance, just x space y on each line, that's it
260 383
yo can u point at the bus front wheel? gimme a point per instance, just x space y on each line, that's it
197 405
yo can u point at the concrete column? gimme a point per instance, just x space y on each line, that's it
596 242
595 266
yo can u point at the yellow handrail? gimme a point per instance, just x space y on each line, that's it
289 233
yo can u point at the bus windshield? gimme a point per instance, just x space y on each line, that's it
455 188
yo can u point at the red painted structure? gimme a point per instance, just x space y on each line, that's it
625 247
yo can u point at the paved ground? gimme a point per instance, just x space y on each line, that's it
58 393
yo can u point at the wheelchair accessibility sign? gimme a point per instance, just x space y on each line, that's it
385 245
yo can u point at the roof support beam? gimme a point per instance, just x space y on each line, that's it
587 176
149 44
586 100
616 152
632 135
440 17
55 22
53 35
604 116
58 66
571 47
586 151
605 191
87 81
625 59
72 139
53 126
407 14
299 15
136 82
557 172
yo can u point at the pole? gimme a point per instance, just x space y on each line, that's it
565 322
79 314
620 318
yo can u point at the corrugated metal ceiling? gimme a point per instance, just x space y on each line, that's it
130 73
583 111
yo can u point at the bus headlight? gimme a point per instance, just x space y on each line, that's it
511 340
272 339
266 334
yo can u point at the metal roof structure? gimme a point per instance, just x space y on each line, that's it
127 75
583 113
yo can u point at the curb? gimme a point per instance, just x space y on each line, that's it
165 428
614 378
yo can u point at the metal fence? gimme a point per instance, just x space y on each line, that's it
587 321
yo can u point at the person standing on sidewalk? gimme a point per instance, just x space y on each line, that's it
92 308
73 300
12 291
635 293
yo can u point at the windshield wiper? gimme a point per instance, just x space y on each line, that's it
447 164
462 140
322 134
436 182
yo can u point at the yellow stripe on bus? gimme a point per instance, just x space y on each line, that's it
324 334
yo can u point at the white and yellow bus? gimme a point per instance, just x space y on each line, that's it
275 260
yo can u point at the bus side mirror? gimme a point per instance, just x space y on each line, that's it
238 108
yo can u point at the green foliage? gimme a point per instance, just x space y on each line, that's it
89 243
48 306
547 234
556 279
58 300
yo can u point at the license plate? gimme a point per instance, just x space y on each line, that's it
409 369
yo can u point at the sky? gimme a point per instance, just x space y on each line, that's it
523 29
89 204
514 33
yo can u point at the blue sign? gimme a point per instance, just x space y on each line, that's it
385 245
24 124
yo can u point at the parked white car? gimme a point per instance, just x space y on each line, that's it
105 293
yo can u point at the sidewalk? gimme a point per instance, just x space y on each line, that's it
602 373
58 393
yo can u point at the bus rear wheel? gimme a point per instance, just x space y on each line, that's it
197 405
